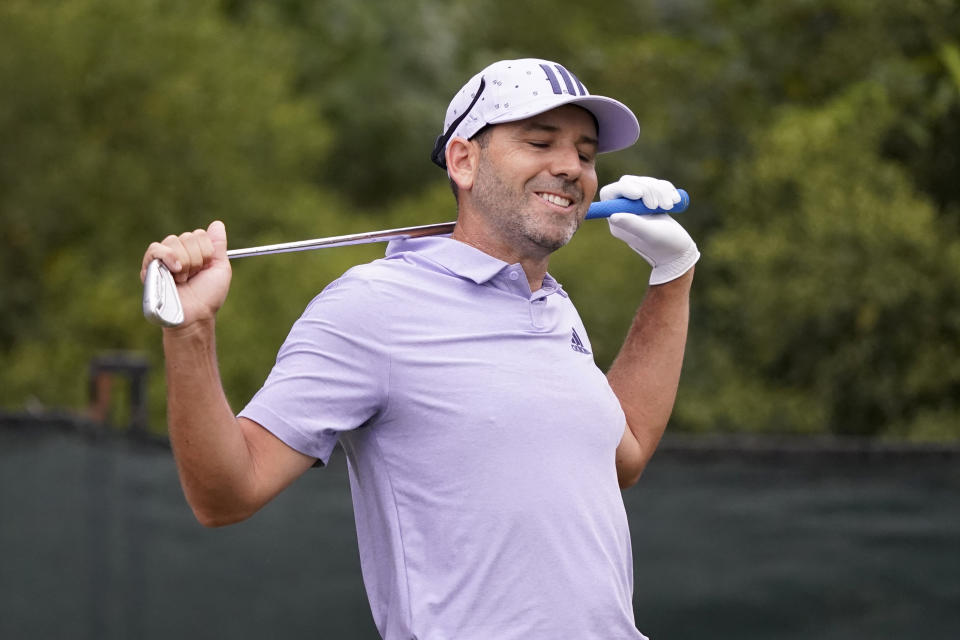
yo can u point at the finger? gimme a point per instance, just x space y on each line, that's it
217 232
179 265
170 251
632 189
611 191
664 200
619 228
204 244
191 243
621 220
668 194
640 188
627 224
649 197
154 251
622 188
164 253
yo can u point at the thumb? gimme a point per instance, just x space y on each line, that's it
217 232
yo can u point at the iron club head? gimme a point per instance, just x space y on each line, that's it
161 303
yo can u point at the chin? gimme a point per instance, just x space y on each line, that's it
548 232
554 241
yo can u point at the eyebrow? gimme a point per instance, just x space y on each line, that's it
550 128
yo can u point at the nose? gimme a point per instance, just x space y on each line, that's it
565 162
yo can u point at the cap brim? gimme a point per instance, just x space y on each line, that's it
617 127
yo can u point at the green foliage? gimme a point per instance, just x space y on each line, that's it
818 139
126 121
381 71
824 298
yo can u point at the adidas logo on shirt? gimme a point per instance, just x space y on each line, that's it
577 344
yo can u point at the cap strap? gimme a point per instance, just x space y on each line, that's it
439 155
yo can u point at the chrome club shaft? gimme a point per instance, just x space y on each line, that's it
161 303
441 228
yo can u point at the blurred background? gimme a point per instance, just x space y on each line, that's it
819 140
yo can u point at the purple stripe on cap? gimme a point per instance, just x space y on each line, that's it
566 80
583 89
551 76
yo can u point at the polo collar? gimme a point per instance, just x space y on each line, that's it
460 259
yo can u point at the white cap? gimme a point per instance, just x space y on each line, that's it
512 90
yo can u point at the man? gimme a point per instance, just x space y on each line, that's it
486 450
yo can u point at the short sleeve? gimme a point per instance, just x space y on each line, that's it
331 373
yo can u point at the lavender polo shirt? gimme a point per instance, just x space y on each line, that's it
480 440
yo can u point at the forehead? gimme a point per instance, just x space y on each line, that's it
566 119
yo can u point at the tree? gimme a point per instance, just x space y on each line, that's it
126 121
833 298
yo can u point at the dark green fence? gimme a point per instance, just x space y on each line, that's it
97 542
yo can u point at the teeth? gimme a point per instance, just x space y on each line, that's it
557 200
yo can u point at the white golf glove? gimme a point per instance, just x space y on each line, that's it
659 239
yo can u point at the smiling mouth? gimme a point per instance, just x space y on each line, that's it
552 198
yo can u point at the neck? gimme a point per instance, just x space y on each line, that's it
534 261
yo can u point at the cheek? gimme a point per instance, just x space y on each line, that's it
589 184
514 166
524 165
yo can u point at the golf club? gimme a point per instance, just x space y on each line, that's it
161 303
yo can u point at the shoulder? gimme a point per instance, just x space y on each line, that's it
361 296
366 281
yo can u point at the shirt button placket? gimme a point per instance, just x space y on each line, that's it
537 309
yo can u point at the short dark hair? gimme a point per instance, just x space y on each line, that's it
483 139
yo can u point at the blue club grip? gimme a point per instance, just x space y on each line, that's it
606 208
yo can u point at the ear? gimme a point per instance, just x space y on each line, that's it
463 158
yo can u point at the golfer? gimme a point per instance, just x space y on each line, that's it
486 450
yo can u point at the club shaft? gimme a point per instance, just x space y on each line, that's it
597 210
442 228
161 302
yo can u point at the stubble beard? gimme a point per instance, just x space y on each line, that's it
508 210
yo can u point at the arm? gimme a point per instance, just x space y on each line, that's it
228 467
646 373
